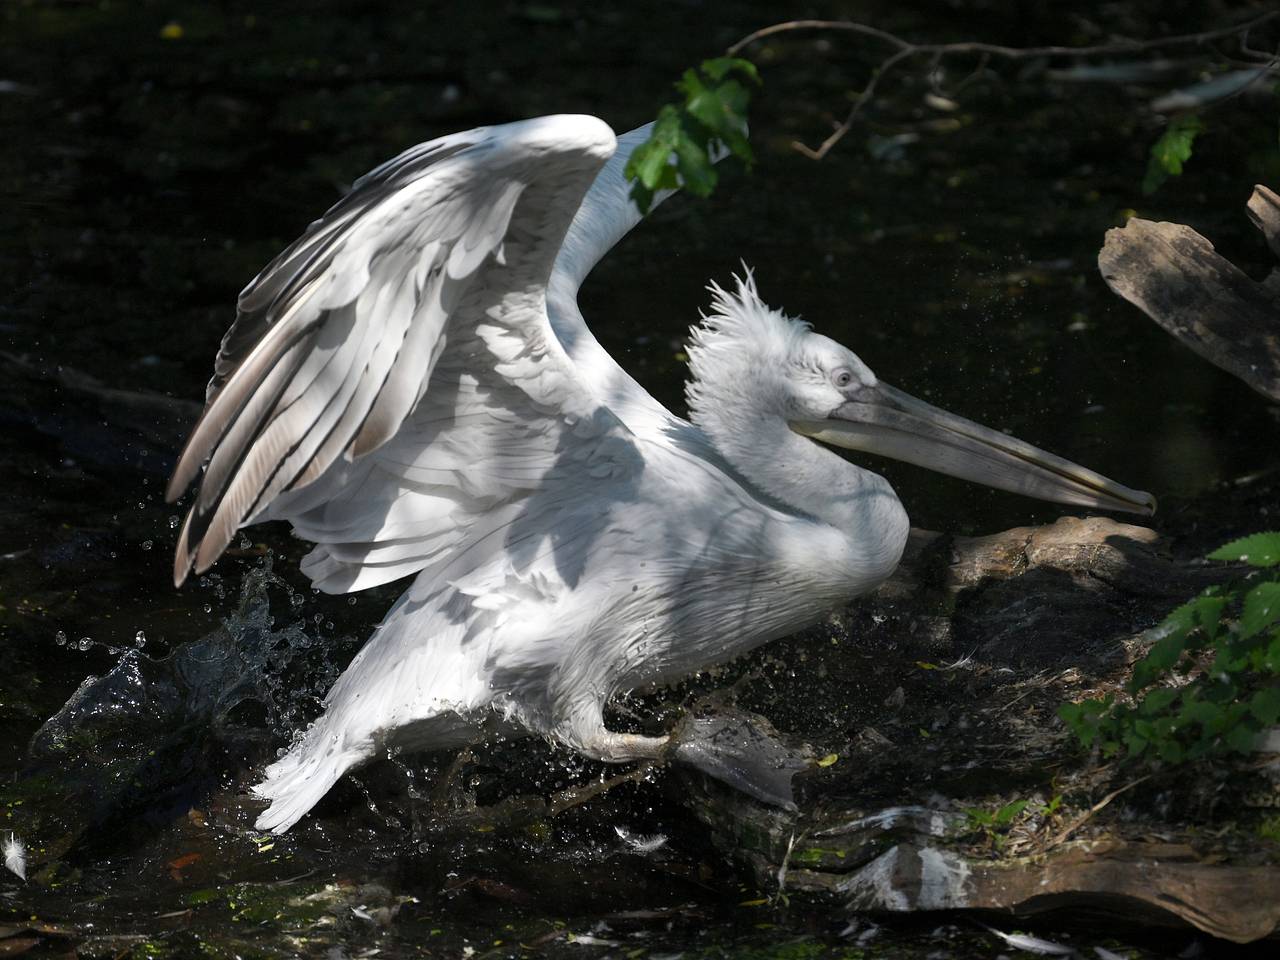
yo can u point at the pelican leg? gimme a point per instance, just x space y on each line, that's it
583 729
620 747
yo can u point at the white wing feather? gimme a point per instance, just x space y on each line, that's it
392 375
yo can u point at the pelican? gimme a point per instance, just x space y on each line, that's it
412 386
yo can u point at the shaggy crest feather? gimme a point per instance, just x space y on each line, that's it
740 337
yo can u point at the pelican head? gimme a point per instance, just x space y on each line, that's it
749 357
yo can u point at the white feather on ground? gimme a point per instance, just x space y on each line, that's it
15 856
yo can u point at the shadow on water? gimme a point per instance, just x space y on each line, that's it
159 154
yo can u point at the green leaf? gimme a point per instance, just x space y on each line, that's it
981 818
1204 613
1258 550
695 168
1268 657
1265 705
1210 717
1157 701
1228 662
686 135
1171 151
1160 659
720 67
1241 738
720 111
649 166
1010 810
1135 741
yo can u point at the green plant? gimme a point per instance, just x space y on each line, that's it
1269 829
1210 683
1171 151
1050 810
994 824
687 136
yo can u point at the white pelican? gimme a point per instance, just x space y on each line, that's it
412 386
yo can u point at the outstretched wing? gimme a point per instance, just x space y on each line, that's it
444 251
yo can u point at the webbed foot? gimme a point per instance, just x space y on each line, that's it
742 750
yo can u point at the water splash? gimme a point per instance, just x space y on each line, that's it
158 732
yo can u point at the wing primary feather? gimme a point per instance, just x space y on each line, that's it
248 424
392 308
280 450
234 395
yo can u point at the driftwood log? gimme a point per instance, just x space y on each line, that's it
1174 276
1030 617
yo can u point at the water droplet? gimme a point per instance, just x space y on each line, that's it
84 644
140 639
146 544
351 601
60 638
173 523
208 608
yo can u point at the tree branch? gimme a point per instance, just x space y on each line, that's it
906 49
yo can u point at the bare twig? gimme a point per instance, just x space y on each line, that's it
906 49
845 125
1085 817
574 796
1008 53
782 870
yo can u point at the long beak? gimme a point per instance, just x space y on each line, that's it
887 421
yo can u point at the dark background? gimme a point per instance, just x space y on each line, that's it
156 155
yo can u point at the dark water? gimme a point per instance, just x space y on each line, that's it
157 154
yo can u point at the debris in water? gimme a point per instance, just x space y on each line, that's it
639 843
15 856
587 940
1021 941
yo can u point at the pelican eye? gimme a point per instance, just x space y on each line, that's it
842 377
